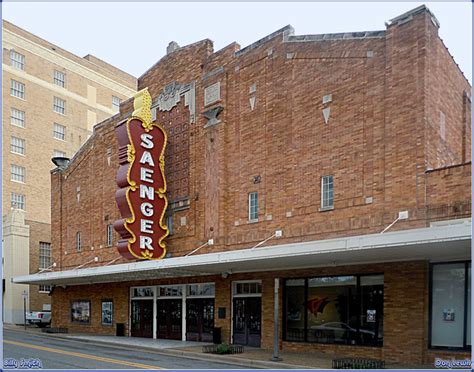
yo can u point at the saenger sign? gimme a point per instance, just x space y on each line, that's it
142 186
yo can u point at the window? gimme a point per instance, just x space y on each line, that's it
17 118
81 311
44 288
169 223
107 312
116 103
17 60
17 145
57 153
59 105
247 288
327 192
142 292
110 236
253 206
44 255
78 241
18 201
451 305
170 291
59 78
17 173
197 290
59 131
344 310
17 89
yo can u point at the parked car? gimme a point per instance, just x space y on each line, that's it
341 332
40 318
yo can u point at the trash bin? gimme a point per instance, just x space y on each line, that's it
120 331
216 335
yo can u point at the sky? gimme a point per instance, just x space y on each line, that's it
134 35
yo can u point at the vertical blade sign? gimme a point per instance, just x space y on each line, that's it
141 184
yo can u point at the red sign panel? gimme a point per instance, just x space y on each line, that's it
141 195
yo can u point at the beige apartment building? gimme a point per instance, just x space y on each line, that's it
51 101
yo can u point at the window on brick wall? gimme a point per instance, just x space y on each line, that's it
59 105
450 308
44 288
17 89
17 117
344 310
110 235
253 206
44 255
17 60
17 145
78 241
17 201
17 173
59 78
327 192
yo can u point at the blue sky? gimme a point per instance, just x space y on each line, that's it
133 35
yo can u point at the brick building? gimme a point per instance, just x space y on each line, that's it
332 168
51 100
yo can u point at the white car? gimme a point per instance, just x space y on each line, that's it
341 332
40 318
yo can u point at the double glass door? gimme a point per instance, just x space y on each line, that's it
247 322
199 319
169 319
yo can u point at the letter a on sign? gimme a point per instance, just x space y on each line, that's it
141 184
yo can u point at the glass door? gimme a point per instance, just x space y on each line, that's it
142 318
169 318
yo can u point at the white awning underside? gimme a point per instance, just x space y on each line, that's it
436 243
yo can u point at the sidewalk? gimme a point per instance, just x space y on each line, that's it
250 358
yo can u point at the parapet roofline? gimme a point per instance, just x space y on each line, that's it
417 10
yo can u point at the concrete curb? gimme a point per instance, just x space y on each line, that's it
247 363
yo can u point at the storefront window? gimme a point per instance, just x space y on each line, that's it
295 309
332 310
336 310
81 311
450 296
371 317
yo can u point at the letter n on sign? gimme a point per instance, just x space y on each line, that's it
141 184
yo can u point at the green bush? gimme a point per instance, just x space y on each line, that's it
223 348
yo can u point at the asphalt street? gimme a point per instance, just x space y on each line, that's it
53 353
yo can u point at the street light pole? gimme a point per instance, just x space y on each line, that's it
24 294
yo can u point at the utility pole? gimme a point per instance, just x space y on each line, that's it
276 357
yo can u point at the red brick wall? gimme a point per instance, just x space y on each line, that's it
445 89
374 144
448 192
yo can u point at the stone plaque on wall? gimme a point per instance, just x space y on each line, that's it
212 93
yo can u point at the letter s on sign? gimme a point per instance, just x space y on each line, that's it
146 141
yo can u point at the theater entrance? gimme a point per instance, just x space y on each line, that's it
142 318
169 319
199 319
247 313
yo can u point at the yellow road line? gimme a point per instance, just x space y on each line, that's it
85 356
